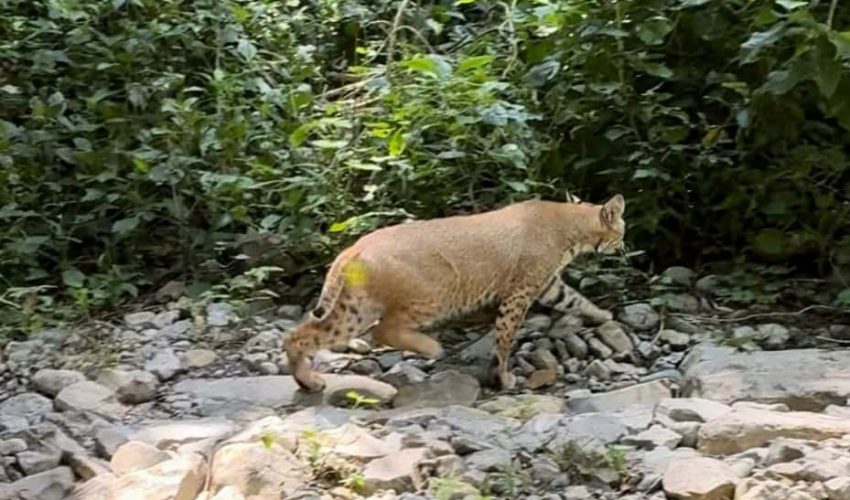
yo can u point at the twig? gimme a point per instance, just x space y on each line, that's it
658 333
393 32
762 315
509 14
831 16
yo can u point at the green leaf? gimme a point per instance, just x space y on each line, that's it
658 69
751 49
329 144
653 30
476 62
140 165
246 49
396 145
780 82
464 2
300 134
431 65
841 41
790 5
694 3
843 298
123 227
770 243
73 278
827 75
268 441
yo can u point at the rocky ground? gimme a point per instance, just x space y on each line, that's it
181 403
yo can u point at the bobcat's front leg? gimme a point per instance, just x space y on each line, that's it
512 311
563 298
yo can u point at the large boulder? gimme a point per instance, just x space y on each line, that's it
803 379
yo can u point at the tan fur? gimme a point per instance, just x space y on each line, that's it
402 278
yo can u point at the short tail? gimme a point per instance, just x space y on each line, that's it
340 273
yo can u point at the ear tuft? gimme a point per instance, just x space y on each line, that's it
613 209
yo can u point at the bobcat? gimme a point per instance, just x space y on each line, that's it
400 279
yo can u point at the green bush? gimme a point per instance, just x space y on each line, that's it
142 140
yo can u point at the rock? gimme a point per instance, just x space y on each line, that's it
676 340
164 364
179 478
598 348
692 409
136 455
640 316
742 467
26 405
804 379
648 393
492 460
773 336
12 446
612 334
51 382
743 334
54 484
838 488
446 388
167 434
247 467
359 346
576 346
351 440
783 450
523 406
542 378
397 472
140 320
744 428
198 358
707 283
219 314
654 437
699 479
108 438
600 427
753 488
598 370
404 373
88 396
678 275
480 351
131 387
543 359
33 462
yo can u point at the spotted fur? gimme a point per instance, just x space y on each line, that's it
403 278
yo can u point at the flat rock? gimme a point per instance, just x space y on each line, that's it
26 405
167 434
88 396
136 455
523 406
131 386
804 379
692 409
744 428
838 488
142 319
699 479
445 388
757 488
614 337
397 472
50 382
491 460
198 358
179 478
640 316
264 470
164 364
654 437
33 462
647 393
55 484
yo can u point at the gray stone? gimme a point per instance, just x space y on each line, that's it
166 318
167 434
88 396
404 373
707 283
679 275
26 405
838 488
598 370
654 437
108 438
676 340
543 359
492 460
699 479
804 379
51 382
783 450
692 409
164 364
54 484
576 346
198 358
397 471
598 348
33 462
648 393
140 320
773 336
523 406
480 351
443 389
12 446
640 316
219 314
612 334
131 387
269 340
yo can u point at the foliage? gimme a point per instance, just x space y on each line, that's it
141 140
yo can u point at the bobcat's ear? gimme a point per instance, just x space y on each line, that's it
613 209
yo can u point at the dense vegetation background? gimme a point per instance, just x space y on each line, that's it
143 140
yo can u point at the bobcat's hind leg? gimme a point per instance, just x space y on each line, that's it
399 330
347 320
512 311
565 299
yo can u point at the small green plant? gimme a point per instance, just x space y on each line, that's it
616 459
450 488
355 482
357 400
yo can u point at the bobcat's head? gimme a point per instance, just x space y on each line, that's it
612 227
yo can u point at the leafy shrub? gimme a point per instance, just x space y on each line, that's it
141 139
